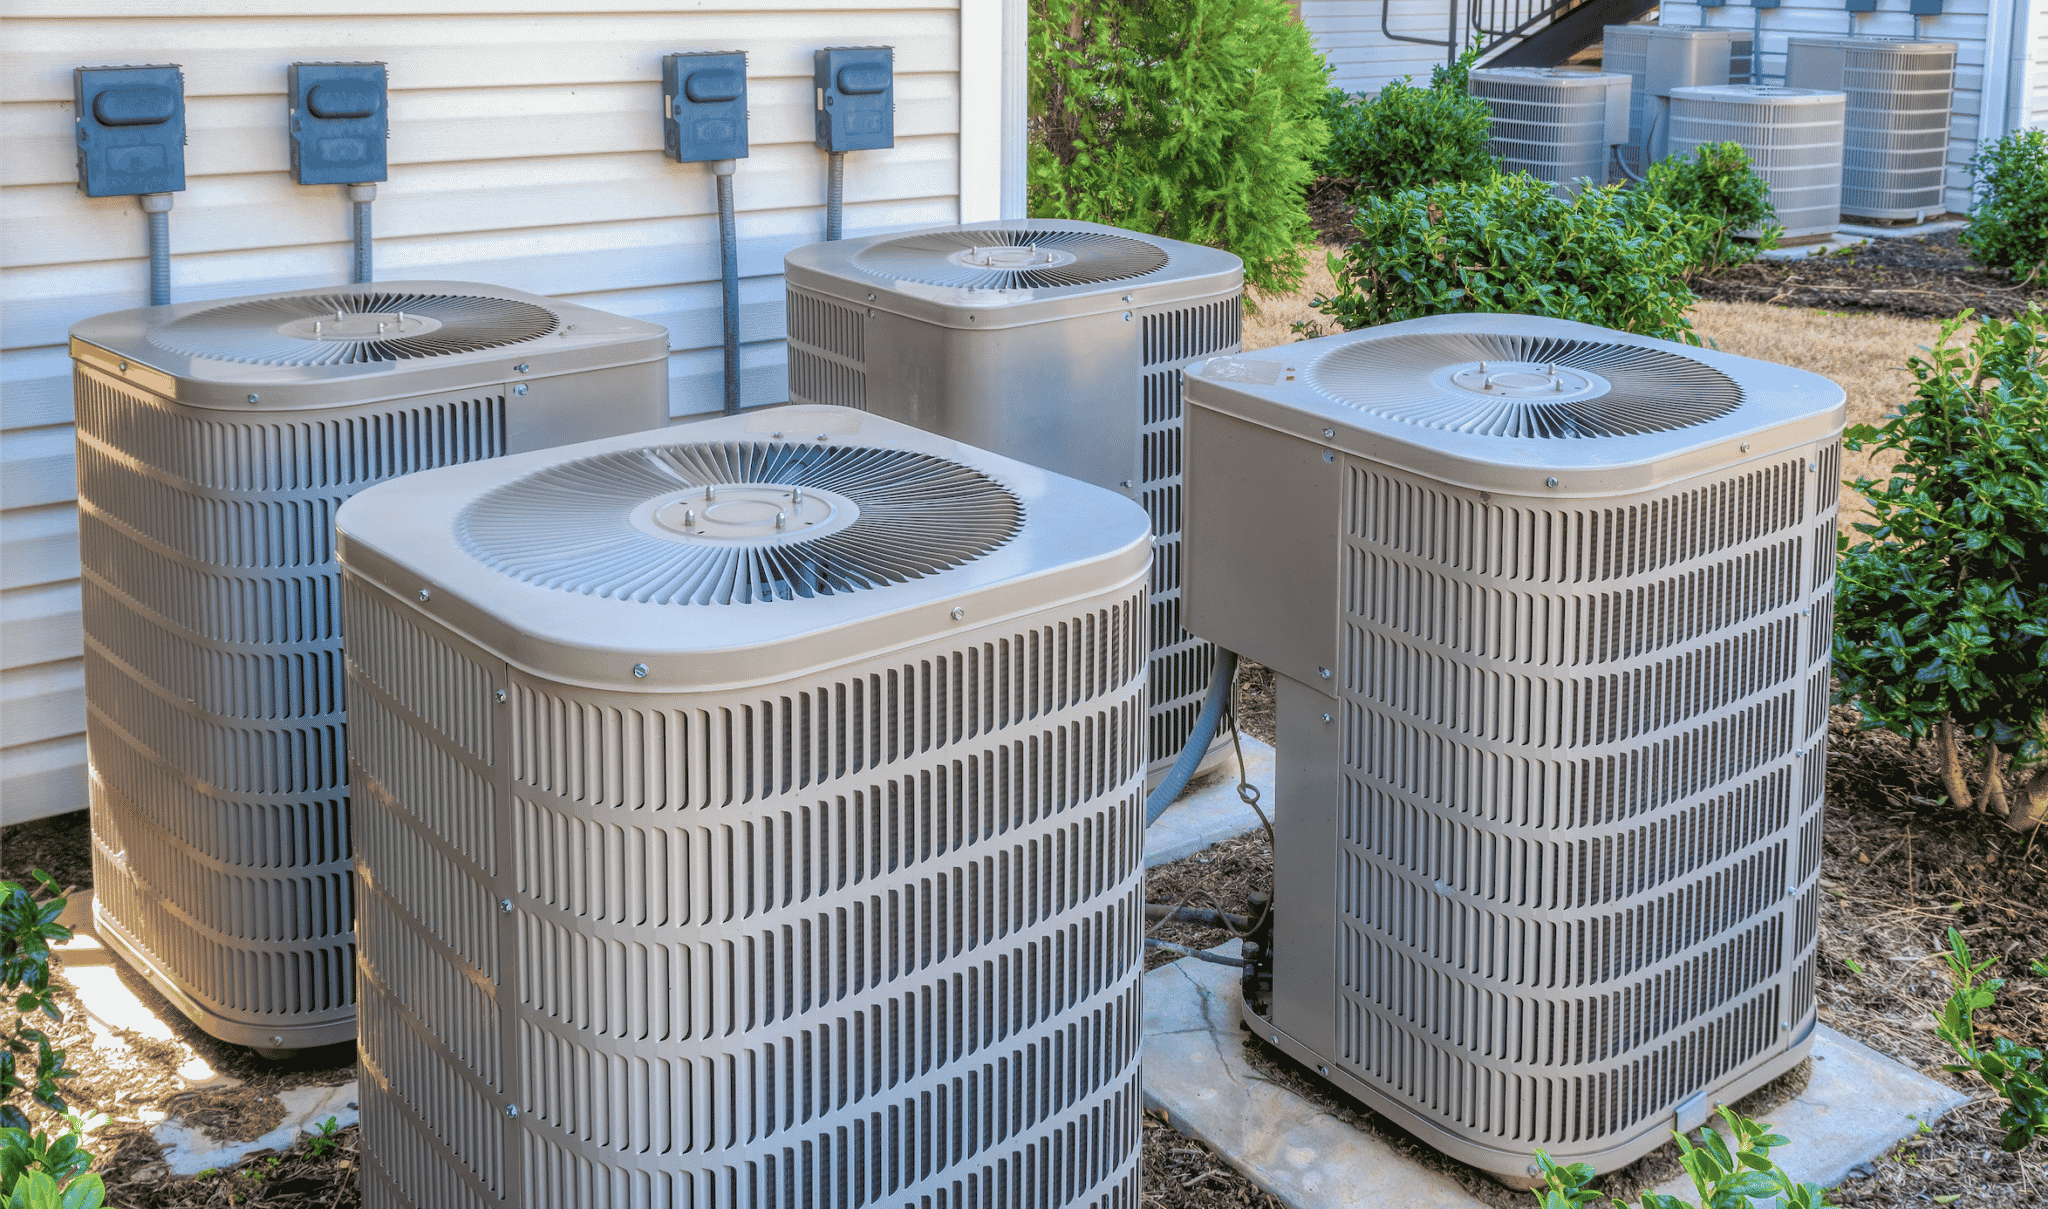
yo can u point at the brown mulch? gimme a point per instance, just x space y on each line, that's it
1928 276
1898 870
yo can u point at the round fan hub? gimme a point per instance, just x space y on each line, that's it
1009 256
1522 380
360 325
750 513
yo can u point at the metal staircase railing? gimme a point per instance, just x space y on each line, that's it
1498 24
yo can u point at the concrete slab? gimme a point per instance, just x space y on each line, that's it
1856 1106
1820 247
1908 232
1212 812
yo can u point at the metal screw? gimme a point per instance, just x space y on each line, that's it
689 517
821 436
425 593
1329 432
253 398
1785 1026
519 389
1322 1070
1799 751
782 520
1276 1038
1325 671
1126 482
124 367
796 495
640 671
871 297
277 1038
511 1110
1812 466
1535 1170
1327 718
959 613
519 368
499 696
871 312
776 435
1745 447
1328 456
711 493
1550 482
504 906
1127 297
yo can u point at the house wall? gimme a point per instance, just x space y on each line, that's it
525 151
1365 59
1991 98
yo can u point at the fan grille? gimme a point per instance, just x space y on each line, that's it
571 526
1070 258
280 331
1627 389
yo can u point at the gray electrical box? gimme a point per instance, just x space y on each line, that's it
856 97
339 123
131 129
704 98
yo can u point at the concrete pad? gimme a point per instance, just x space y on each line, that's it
1833 243
189 1150
1908 232
1856 1106
1212 812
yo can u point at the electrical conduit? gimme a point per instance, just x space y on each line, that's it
1183 769
158 207
729 270
362 196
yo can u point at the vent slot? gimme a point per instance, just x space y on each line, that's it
1195 331
827 326
813 379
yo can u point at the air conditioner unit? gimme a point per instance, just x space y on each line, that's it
1056 343
1794 140
1895 122
1659 58
1557 124
215 441
749 813
1549 606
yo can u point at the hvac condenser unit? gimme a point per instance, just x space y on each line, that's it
1896 119
1794 140
1056 343
215 441
1659 58
1558 124
1549 606
749 814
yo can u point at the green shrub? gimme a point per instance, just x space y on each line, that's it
1193 119
1508 244
1941 615
1716 183
2008 227
1408 137
2018 1073
1724 1176
34 1170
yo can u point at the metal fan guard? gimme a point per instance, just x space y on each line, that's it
573 526
930 258
1632 390
254 332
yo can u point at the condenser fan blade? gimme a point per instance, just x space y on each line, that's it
949 258
572 526
1601 389
277 331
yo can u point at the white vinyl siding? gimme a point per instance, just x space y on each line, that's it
1364 59
525 151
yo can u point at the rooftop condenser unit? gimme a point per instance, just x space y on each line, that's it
1794 140
1549 606
749 814
215 441
1896 120
1056 343
1558 124
1659 58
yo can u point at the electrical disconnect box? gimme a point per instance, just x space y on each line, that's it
856 97
339 123
705 97
131 129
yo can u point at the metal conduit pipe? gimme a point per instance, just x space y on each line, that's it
729 271
835 192
158 207
1183 769
362 196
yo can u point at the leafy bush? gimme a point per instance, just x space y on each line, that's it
1193 119
1724 1176
36 1172
1507 244
1716 183
1408 137
2008 227
2017 1072
1941 616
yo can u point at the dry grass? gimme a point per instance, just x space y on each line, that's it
1864 353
